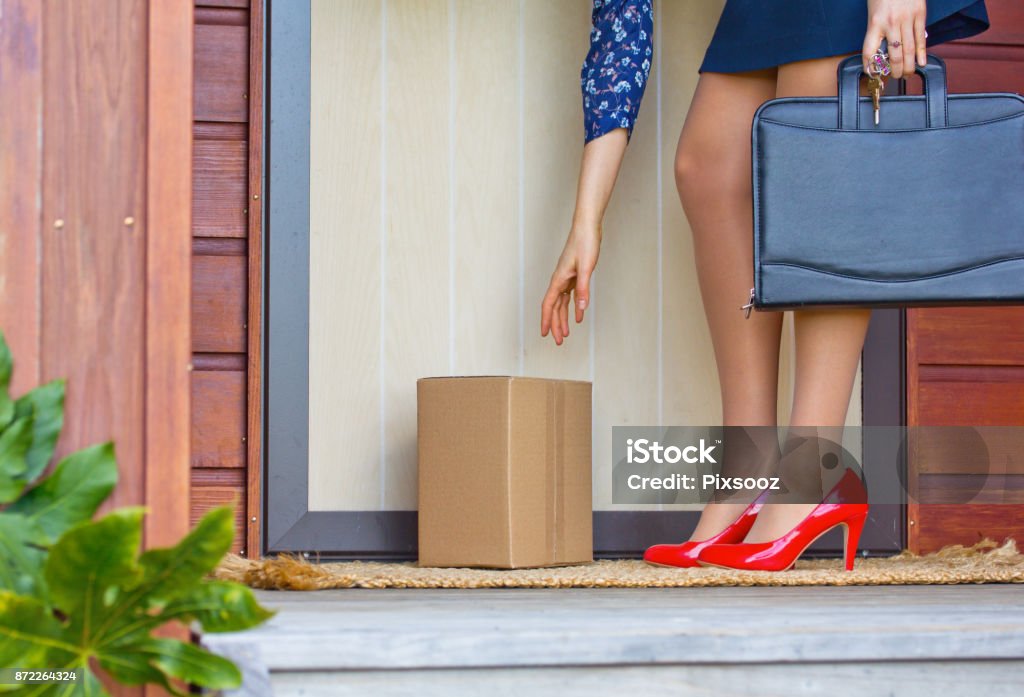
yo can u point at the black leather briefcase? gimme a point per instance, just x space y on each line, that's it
926 208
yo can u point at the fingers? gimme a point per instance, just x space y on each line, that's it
896 52
563 313
547 306
909 47
921 40
872 40
582 293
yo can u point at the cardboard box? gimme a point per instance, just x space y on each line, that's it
504 472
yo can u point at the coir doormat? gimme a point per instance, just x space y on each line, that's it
985 562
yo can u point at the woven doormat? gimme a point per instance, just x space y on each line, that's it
985 562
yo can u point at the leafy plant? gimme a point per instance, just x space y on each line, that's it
75 592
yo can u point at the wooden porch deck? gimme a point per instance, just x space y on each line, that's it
899 640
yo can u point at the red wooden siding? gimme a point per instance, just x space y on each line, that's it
222 217
966 366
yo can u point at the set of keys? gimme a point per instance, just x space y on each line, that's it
879 70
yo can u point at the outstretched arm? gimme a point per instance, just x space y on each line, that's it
613 79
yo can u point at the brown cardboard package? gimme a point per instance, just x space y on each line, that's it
504 472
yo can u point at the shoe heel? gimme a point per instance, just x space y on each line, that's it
853 526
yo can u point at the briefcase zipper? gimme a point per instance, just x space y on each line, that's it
749 306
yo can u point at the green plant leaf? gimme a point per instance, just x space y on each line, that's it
87 561
172 571
21 555
30 635
46 405
15 441
6 367
184 661
72 492
220 606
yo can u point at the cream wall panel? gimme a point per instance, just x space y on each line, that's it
691 395
344 331
416 300
624 298
487 180
446 138
555 36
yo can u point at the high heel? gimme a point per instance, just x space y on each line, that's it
846 505
685 554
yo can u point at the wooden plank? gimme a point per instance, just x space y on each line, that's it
354 629
219 361
219 304
221 15
219 246
218 476
971 489
21 83
974 68
205 498
974 336
908 679
222 3
218 418
219 200
254 413
968 449
168 271
938 525
418 251
970 403
222 73
94 242
345 250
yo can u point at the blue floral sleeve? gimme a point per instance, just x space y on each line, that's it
615 71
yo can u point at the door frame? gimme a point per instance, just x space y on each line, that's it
289 524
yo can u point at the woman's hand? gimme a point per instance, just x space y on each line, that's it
902 23
572 273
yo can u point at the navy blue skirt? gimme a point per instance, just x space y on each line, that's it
757 34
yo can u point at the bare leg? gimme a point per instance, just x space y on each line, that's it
828 346
713 177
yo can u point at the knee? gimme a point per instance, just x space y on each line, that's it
701 173
688 166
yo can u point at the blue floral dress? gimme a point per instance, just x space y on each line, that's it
615 71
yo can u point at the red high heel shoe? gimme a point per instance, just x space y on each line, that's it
845 505
685 554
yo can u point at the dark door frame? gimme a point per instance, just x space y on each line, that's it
290 525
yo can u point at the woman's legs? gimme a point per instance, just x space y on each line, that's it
713 177
828 347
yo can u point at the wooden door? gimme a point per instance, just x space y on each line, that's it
965 367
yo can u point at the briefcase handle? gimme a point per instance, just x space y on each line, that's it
852 69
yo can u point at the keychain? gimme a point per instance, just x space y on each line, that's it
879 69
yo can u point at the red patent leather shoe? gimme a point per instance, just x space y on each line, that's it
845 505
685 554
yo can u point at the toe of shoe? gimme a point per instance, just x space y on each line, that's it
670 555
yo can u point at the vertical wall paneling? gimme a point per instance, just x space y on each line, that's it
93 263
225 217
255 200
484 141
555 38
168 261
416 278
21 81
345 255
690 387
